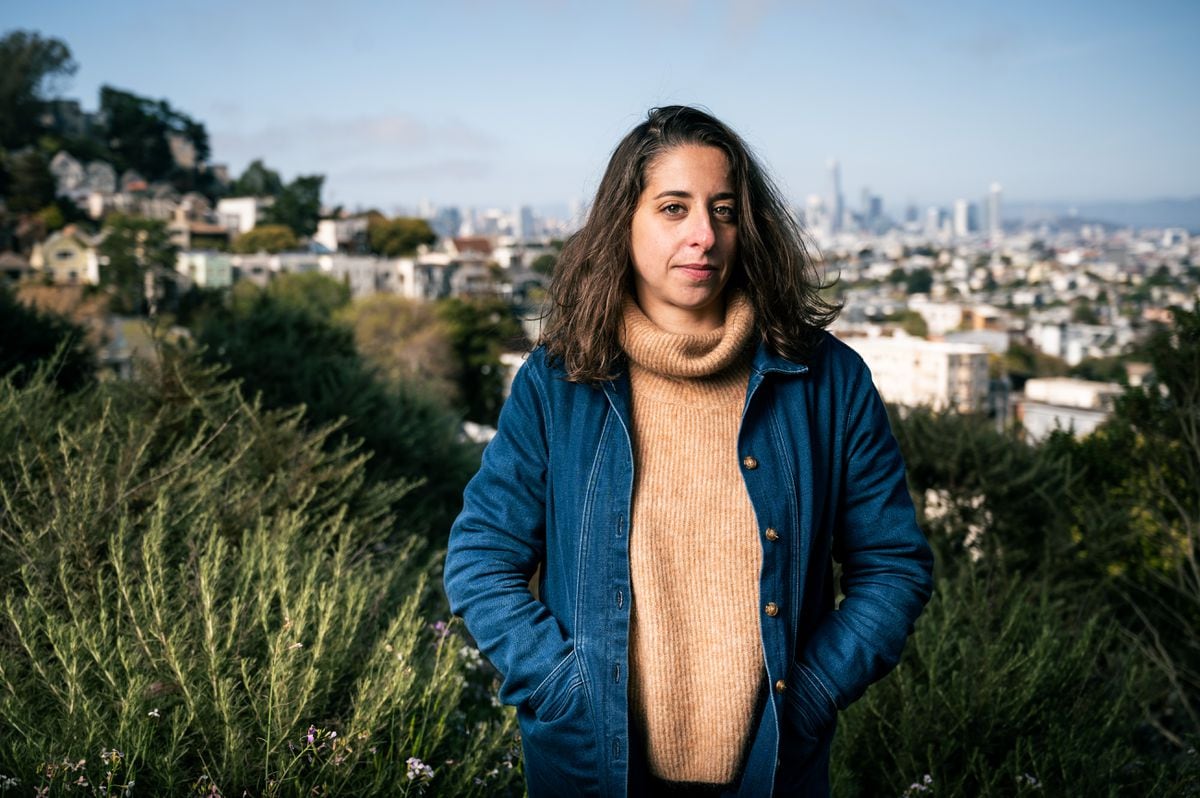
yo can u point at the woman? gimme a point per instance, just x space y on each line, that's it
684 456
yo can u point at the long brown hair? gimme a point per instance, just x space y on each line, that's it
592 275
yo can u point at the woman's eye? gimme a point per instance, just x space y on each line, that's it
674 209
724 212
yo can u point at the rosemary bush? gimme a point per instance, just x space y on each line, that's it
1004 690
201 597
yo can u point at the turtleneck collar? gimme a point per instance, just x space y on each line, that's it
688 356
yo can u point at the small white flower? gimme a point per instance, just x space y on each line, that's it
418 770
154 713
925 785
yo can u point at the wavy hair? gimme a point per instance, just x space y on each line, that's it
593 273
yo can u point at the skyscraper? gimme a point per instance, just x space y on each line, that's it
995 225
933 221
814 214
872 209
835 205
524 223
964 218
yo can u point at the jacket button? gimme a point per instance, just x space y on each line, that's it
771 609
780 686
771 533
750 463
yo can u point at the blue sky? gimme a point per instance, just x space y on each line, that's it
495 104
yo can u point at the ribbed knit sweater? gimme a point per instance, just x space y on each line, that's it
696 659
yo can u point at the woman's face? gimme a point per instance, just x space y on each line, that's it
684 239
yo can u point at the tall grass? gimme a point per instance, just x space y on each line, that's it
201 598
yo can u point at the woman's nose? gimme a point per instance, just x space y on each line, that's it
701 233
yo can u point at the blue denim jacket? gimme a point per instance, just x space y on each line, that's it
826 481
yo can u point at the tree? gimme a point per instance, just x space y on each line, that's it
1137 513
138 130
31 65
30 339
911 322
266 238
919 281
407 342
396 237
1023 362
479 331
298 205
544 264
257 181
1083 313
51 218
312 292
133 251
1102 369
27 184
288 356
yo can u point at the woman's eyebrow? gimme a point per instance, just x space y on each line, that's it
724 195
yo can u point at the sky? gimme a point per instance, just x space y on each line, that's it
487 104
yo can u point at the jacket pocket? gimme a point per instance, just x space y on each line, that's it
559 737
810 709
809 719
552 697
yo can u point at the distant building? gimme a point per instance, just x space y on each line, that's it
1073 341
940 317
995 223
447 222
814 214
69 174
344 235
914 372
101 177
361 273
1076 406
67 257
933 221
13 267
994 341
206 269
526 223
243 213
836 201
965 222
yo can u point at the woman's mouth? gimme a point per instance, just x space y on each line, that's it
698 272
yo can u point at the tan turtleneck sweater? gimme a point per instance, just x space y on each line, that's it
696 659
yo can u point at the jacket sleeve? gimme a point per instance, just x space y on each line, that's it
498 541
886 567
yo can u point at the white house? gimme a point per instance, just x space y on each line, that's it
914 372
206 269
242 213
1078 406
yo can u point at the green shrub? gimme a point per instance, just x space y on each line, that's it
288 355
201 597
985 494
1002 691
30 339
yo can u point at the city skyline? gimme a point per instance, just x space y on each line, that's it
475 105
